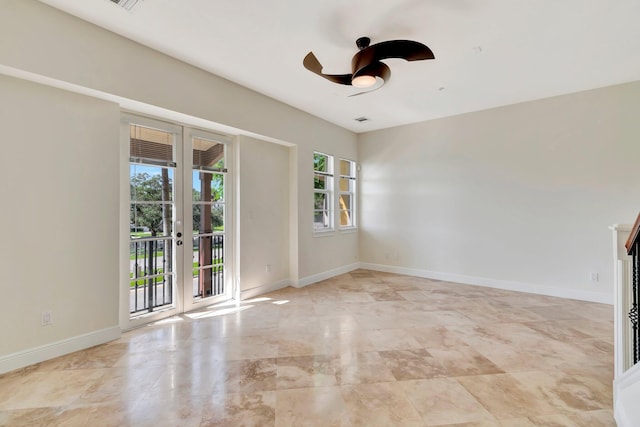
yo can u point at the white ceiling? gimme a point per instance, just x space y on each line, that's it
488 52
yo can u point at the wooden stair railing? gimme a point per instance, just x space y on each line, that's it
633 249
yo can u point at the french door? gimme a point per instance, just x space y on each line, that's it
179 233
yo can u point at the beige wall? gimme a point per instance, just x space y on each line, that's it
42 44
42 40
264 213
519 196
60 194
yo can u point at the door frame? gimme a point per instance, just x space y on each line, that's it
183 298
229 219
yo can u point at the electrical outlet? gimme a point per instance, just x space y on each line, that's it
268 268
595 277
47 318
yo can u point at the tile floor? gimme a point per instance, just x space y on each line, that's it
362 349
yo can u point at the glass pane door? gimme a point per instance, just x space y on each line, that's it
152 214
178 210
209 214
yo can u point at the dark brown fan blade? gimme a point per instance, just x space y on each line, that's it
312 64
366 91
404 49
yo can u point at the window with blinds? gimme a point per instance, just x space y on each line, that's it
151 146
208 155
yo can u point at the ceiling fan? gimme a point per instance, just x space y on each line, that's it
366 66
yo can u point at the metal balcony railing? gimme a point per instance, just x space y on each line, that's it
150 274
633 249
208 265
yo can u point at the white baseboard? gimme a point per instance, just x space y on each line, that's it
495 283
39 354
306 281
259 290
626 395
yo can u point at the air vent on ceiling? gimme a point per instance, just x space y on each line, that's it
126 4
361 119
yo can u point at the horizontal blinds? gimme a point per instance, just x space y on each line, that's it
150 152
208 155
151 146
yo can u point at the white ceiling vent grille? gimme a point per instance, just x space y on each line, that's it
126 4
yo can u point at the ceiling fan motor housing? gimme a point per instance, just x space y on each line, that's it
363 42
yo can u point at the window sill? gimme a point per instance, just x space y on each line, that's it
348 230
324 233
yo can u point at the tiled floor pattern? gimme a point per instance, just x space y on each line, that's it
362 349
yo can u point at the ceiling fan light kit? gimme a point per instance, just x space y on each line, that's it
363 81
366 66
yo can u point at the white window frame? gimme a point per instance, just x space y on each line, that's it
328 191
351 192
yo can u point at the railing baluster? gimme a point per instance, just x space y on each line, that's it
221 249
169 250
215 267
151 280
196 244
145 271
633 313
135 278
214 264
164 269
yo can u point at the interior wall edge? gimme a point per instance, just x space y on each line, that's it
309 280
263 289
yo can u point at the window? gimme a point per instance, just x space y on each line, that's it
322 192
347 199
